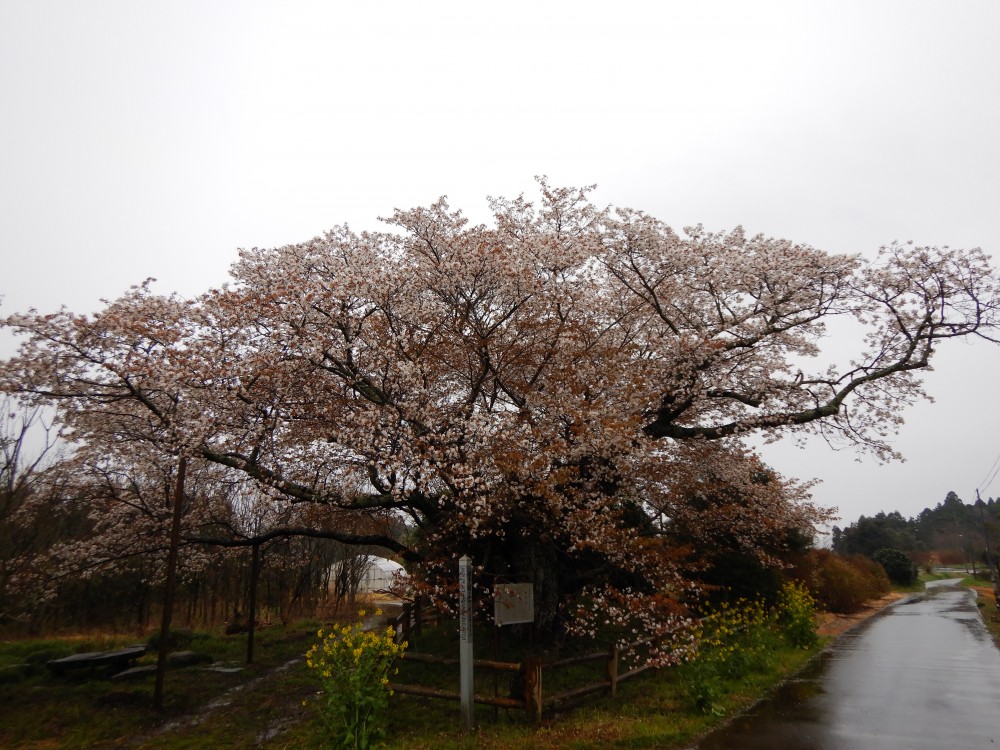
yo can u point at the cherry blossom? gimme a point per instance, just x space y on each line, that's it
547 393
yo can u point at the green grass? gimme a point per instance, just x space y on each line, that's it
89 711
923 577
86 709
650 711
991 615
654 710
987 604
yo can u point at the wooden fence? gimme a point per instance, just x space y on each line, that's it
410 621
531 670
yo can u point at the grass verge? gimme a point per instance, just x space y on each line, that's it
268 704
652 711
655 710
987 605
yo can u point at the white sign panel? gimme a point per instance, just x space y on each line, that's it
464 599
514 603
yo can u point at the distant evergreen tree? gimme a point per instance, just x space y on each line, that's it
898 566
953 529
881 531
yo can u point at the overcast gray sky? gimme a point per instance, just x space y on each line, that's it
146 139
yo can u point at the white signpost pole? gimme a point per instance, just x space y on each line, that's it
465 653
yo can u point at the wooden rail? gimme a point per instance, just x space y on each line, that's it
531 668
410 622
500 666
429 692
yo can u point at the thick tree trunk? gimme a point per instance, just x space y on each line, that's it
522 558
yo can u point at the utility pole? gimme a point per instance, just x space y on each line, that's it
989 553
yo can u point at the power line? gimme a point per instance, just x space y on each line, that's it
986 486
995 468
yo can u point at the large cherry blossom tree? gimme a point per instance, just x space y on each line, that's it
528 391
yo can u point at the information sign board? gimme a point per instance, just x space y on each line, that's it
514 603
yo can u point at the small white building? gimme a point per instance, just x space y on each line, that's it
380 574
364 574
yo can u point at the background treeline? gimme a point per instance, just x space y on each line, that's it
295 577
83 545
952 533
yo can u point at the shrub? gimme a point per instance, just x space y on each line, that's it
736 640
841 583
898 566
703 687
733 641
353 664
796 615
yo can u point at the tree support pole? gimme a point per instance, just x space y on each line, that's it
170 584
252 603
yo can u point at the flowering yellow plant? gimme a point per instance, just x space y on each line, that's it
354 665
735 640
797 615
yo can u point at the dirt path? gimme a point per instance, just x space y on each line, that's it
189 722
831 624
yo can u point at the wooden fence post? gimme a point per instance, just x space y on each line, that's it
533 686
613 670
404 623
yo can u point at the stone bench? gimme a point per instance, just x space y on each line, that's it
116 660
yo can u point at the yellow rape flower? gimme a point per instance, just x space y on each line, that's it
354 665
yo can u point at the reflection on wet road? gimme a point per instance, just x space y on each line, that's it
924 675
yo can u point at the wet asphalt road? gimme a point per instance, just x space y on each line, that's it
922 675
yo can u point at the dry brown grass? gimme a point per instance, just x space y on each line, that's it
831 625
